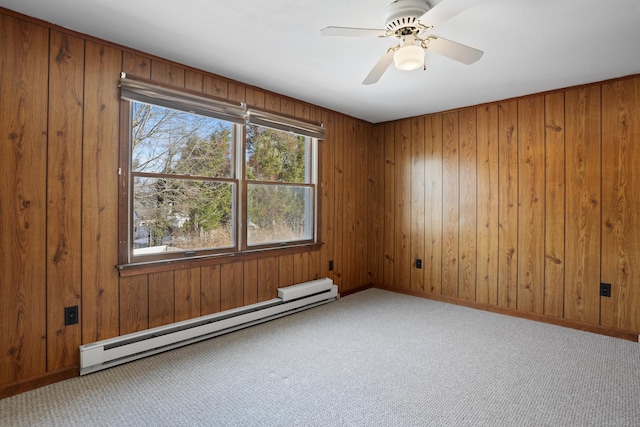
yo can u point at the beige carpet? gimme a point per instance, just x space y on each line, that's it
371 359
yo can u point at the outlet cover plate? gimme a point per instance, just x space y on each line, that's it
70 315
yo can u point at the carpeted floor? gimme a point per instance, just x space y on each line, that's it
374 358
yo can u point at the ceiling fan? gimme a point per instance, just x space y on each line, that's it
410 21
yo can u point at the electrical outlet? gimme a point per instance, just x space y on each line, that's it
70 315
418 263
605 289
331 265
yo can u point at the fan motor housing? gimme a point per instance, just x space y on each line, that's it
404 14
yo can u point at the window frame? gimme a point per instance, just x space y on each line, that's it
310 181
138 90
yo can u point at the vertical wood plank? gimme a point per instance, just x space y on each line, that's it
255 98
100 318
231 287
164 72
235 92
314 266
389 205
487 238
316 114
348 207
433 202
338 202
23 164
288 106
451 203
508 206
272 102
554 205
66 69
285 270
417 202
194 81
375 195
327 193
215 86
134 304
250 281
161 298
621 203
268 278
530 294
403 262
361 221
136 65
468 205
302 111
209 289
582 123
301 267
187 293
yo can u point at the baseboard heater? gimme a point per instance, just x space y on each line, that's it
126 348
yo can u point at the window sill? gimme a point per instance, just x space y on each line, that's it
136 268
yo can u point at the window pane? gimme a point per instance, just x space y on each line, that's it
277 156
180 215
278 213
175 142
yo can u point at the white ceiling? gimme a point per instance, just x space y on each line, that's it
530 46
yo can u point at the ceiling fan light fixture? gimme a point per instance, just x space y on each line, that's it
408 57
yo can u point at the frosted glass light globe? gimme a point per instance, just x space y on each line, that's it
408 57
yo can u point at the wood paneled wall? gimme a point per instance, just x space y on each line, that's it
525 205
59 130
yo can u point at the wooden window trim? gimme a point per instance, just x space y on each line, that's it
135 268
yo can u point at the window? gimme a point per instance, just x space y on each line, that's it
279 186
183 181
203 177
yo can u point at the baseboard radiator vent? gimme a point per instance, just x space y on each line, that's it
126 348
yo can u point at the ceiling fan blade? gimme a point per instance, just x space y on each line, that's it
379 69
445 10
456 51
352 32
